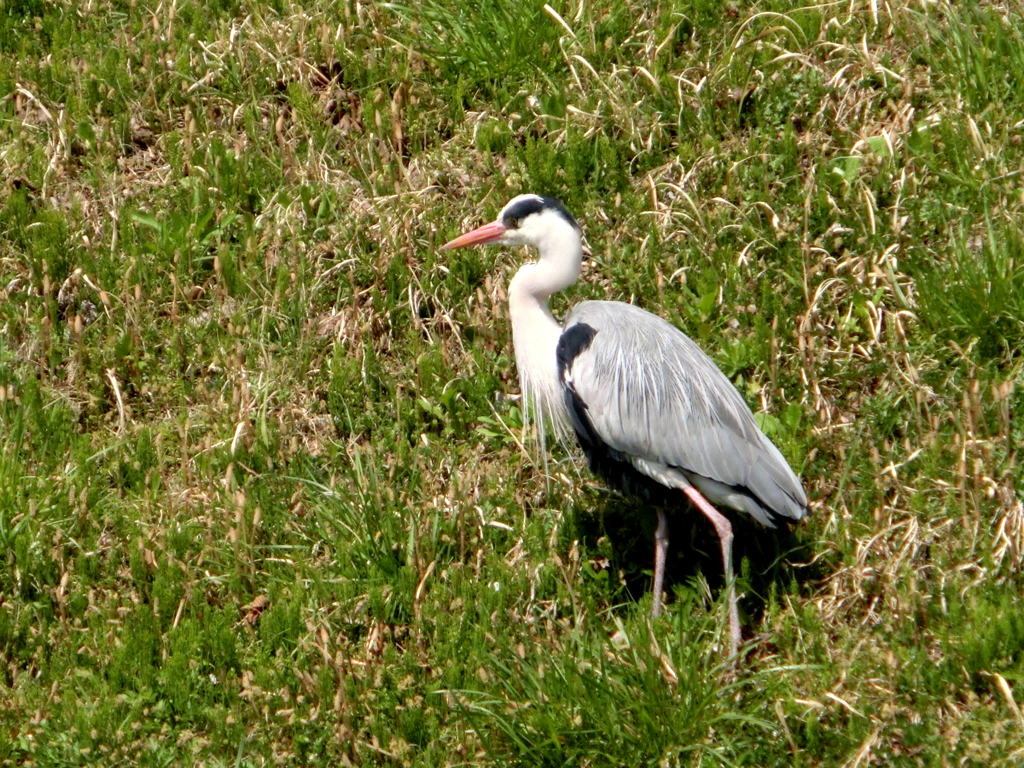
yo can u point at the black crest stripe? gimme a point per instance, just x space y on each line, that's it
536 204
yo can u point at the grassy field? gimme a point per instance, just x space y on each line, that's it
265 498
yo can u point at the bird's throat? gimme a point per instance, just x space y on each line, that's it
535 334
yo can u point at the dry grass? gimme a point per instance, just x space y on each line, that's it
263 488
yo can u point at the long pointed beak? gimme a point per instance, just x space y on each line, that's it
488 233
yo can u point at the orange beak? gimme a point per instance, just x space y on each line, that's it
488 233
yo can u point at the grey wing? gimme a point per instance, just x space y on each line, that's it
653 395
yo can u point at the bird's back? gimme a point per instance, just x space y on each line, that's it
644 393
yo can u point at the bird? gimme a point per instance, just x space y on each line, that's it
653 414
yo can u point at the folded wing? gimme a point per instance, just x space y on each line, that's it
649 393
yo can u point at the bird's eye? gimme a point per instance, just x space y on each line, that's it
515 223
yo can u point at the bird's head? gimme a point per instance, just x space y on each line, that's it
540 222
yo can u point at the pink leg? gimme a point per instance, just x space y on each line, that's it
724 529
660 550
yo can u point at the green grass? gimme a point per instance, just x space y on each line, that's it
264 496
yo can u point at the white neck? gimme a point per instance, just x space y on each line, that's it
535 332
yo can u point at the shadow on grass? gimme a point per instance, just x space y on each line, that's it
766 560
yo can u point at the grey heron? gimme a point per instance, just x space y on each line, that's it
651 411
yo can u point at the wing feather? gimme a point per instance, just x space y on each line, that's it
653 395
